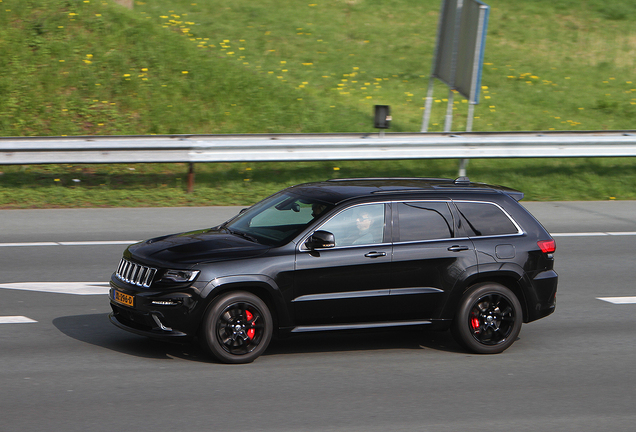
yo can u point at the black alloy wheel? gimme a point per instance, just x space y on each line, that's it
238 327
488 319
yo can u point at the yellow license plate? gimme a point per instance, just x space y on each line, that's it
124 299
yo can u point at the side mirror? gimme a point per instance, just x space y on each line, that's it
321 240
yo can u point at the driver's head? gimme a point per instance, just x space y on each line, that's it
364 221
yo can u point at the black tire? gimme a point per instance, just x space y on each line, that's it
488 319
237 327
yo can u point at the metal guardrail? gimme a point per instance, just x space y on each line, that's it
305 147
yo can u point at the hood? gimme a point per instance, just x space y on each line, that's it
194 247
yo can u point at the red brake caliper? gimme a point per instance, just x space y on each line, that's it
250 332
474 322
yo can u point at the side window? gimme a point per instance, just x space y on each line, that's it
424 221
485 219
357 225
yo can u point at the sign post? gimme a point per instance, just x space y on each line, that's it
458 59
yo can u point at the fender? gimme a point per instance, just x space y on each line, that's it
260 285
508 274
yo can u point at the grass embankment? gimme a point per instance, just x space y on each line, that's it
77 67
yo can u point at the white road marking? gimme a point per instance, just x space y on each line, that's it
15 320
98 243
619 300
595 234
78 288
77 243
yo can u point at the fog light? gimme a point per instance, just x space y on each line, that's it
165 302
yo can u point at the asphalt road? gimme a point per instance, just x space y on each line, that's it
71 370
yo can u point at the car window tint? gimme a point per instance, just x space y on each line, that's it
424 221
485 219
296 212
357 225
277 219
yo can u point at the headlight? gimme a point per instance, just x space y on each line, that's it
180 276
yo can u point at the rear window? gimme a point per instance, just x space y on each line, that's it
424 221
485 219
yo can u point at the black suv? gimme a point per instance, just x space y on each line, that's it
345 254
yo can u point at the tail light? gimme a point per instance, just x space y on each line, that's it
547 246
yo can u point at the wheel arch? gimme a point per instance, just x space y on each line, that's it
510 280
261 286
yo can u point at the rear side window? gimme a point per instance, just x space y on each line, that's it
485 219
424 221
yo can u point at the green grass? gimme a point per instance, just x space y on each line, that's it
73 68
77 67
242 184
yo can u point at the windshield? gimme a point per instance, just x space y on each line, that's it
277 219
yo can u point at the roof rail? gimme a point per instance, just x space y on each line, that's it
391 178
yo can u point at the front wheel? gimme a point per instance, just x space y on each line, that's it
488 319
237 327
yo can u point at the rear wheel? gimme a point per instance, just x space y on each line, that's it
488 319
237 327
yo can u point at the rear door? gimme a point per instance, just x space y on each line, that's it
428 258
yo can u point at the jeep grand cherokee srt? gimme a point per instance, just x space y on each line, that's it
345 254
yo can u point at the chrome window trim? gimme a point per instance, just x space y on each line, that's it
301 244
447 202
520 230
366 246
448 239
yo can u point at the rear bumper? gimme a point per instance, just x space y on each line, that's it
543 301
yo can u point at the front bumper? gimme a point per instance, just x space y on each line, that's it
167 315
160 331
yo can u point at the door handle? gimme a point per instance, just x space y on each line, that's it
375 254
457 248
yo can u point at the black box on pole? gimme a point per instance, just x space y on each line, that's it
382 117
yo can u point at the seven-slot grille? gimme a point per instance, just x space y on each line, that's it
135 274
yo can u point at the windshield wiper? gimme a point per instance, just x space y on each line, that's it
242 234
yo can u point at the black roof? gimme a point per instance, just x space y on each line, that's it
337 190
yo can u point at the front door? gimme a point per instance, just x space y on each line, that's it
350 282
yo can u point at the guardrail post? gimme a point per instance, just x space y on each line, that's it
191 177
463 163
